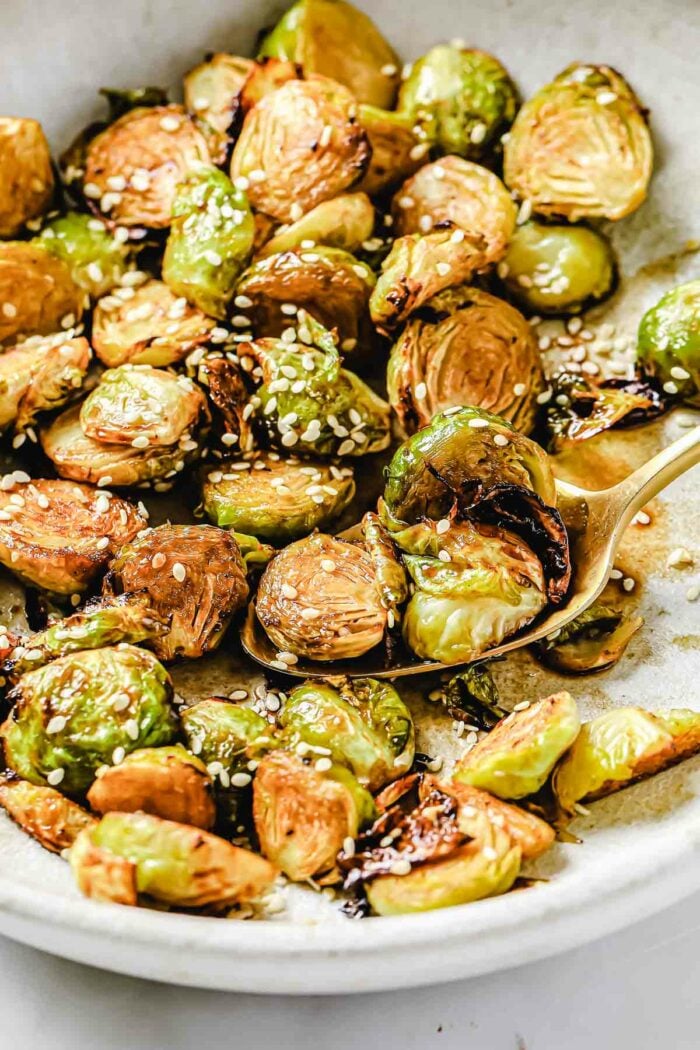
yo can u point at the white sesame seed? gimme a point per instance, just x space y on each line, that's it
118 755
477 423
443 268
679 373
670 387
241 780
444 556
478 133
131 728
169 123
213 258
179 571
238 694
241 183
421 391
57 723
400 867
120 702
679 557
288 658
524 212
628 584
310 613
296 211
288 591
544 397
322 765
519 389
442 526
641 518
522 706
606 98
55 777
693 593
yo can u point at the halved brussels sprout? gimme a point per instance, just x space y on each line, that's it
594 641
146 154
45 814
39 376
210 240
465 347
396 149
473 694
193 574
38 295
220 731
300 145
580 147
59 535
304 814
518 755
129 854
558 269
533 835
459 448
362 724
275 499
86 710
392 581
580 407
344 222
335 38
97 261
327 282
623 746
211 91
668 343
318 598
465 195
143 407
27 183
147 326
463 99
168 782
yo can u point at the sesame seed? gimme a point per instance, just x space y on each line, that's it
296 211
522 706
477 423
322 765
257 175
679 557
288 658
288 591
131 728
442 526
606 98
444 556
544 397
421 391
443 268
140 442
641 518
327 565
325 137
179 571
9 309
400 867
478 134
169 123
693 593
120 702
519 389
524 212
628 584
118 755
55 776
57 723
679 373
241 780
238 694
241 183
310 613
213 258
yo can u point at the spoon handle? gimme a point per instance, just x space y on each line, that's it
643 484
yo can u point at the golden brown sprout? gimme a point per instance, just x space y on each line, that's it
26 177
299 146
266 76
465 347
319 598
52 533
151 327
396 150
168 782
526 830
40 375
150 150
193 574
45 814
38 295
344 222
211 92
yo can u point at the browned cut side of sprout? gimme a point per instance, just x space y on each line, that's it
39 376
44 813
27 177
37 292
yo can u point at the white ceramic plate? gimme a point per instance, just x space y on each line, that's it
641 848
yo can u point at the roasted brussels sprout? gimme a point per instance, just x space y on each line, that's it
594 641
39 376
335 38
59 535
45 814
193 574
462 99
275 499
532 834
558 269
37 293
518 755
210 241
147 326
212 94
97 261
465 347
129 854
392 581
303 814
318 598
344 222
146 153
362 724
168 782
85 710
473 694
668 344
623 746
396 149
26 179
581 407
300 145
580 148
225 733
468 197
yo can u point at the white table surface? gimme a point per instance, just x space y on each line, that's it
637 990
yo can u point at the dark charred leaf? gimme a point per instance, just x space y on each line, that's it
473 693
228 395
591 408
594 641
121 100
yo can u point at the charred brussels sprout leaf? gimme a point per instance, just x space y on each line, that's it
516 758
85 710
211 238
300 145
318 598
396 149
225 735
334 38
132 854
463 100
558 269
38 293
277 500
212 95
122 100
580 408
97 261
474 692
391 577
27 182
668 345
580 148
193 574
228 397
465 347
344 222
39 376
45 814
594 641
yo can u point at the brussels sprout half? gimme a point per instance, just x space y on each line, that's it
53 533
580 147
581 407
318 598
127 855
594 641
38 295
276 499
27 182
668 343
518 755
40 375
344 222
97 261
45 814
212 95
623 746
336 39
300 145
226 736
532 834
86 710
397 151
465 347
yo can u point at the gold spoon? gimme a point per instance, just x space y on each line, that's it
595 522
